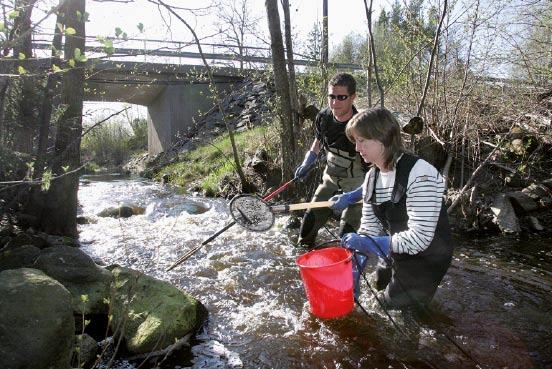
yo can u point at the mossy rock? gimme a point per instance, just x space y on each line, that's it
150 314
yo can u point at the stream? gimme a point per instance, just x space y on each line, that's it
495 301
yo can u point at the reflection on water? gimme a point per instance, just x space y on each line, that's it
495 301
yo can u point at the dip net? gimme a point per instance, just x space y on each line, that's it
252 213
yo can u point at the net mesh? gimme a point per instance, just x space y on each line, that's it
251 213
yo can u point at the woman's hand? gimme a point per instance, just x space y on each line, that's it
378 245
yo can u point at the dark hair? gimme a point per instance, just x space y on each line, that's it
345 80
378 124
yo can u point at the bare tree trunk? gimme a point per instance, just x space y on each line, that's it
432 59
4 82
291 70
324 54
369 81
373 51
288 144
60 207
22 50
47 102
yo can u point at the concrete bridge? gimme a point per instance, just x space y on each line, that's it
175 95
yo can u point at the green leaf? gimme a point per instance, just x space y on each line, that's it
108 46
65 168
72 63
140 27
79 56
55 68
2 27
21 56
70 31
118 31
14 14
84 298
21 70
46 180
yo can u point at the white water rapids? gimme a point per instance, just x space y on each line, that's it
258 313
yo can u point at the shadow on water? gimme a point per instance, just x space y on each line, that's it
494 302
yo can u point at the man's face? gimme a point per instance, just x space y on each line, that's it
341 109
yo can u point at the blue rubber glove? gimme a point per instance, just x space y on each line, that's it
380 245
303 169
341 202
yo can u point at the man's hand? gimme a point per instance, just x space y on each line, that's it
303 169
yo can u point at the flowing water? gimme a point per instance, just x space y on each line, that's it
495 302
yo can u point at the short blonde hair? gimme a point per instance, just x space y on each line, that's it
378 124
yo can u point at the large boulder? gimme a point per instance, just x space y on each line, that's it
36 321
150 314
88 283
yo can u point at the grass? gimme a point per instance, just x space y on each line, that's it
205 166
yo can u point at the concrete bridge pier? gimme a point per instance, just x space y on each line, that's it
172 114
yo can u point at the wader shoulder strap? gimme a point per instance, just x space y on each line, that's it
404 166
370 184
324 123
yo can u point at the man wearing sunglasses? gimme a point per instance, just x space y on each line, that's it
345 169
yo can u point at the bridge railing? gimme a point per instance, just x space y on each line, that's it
179 52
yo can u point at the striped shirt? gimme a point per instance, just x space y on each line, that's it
424 196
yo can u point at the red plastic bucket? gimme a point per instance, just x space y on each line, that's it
328 279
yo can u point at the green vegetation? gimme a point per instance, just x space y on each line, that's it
112 143
205 167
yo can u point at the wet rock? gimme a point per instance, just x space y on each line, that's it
88 283
61 241
537 191
36 321
85 352
504 214
26 239
86 220
152 313
20 257
123 211
293 222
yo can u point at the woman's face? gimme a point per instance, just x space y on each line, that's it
370 150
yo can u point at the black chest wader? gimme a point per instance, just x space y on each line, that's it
411 280
344 172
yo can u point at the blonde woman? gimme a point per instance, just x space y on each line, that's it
404 221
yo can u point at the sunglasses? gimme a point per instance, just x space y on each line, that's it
338 97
